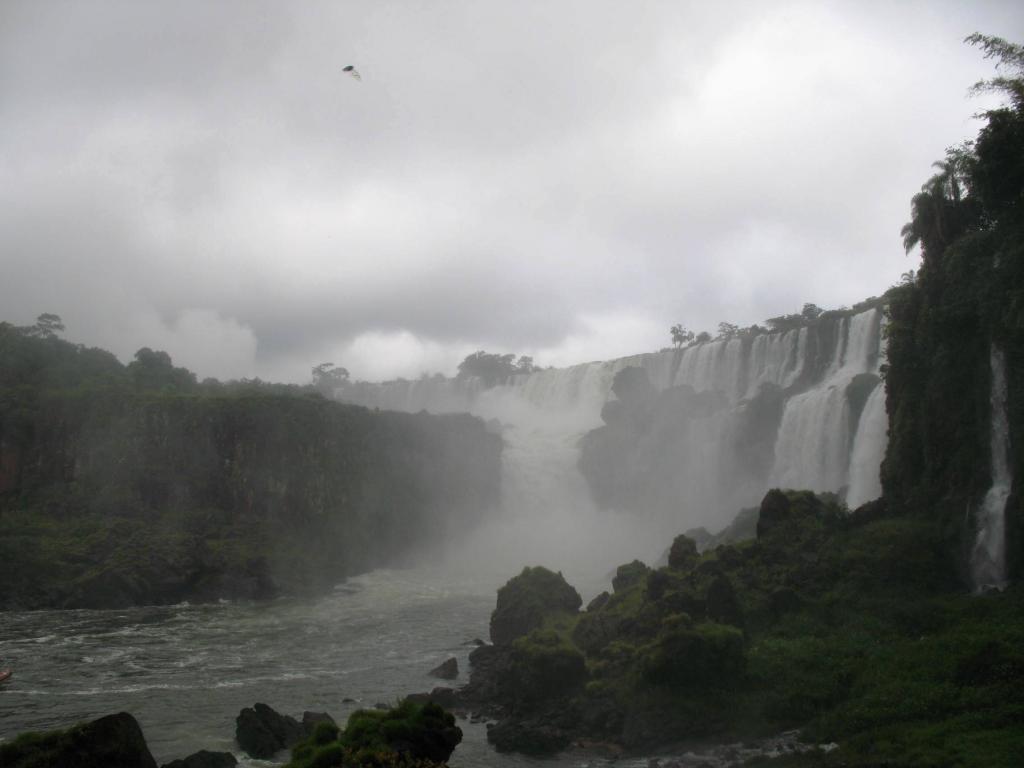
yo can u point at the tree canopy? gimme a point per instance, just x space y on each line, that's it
492 368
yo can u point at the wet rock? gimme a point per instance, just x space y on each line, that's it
527 599
447 670
262 732
446 698
532 737
488 665
310 720
114 741
204 759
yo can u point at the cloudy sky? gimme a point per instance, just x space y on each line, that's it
562 179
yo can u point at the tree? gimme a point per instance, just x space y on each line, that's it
811 311
491 368
703 337
939 212
328 378
47 327
525 365
1007 55
681 335
727 330
152 370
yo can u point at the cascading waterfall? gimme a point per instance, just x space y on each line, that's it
813 446
547 509
868 450
988 558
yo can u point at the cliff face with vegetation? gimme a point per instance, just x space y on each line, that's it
968 296
119 488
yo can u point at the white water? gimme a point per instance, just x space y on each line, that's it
813 446
548 516
988 559
868 450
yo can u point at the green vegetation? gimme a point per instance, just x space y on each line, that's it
409 735
524 604
494 369
968 220
848 625
127 484
113 740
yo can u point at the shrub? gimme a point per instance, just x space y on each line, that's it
708 655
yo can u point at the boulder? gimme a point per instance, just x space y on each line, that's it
204 759
533 736
526 599
487 665
262 732
447 670
114 741
446 698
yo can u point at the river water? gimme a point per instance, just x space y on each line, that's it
185 671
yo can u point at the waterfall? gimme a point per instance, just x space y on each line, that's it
813 446
547 514
868 450
988 558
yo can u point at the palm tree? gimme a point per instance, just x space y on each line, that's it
937 211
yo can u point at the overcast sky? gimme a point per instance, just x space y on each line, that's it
561 179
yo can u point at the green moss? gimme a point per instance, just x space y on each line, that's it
705 655
409 735
544 664
528 600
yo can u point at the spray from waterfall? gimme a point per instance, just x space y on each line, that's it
731 446
988 558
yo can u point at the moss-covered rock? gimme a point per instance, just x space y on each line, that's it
527 599
545 665
114 741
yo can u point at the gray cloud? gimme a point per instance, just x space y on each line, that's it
561 179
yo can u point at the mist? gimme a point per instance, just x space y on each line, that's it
600 468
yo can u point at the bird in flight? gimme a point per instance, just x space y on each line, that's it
352 71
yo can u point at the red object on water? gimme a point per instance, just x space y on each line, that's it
4 674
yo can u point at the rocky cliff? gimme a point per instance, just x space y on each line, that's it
113 496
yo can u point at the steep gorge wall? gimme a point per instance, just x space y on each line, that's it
109 498
939 464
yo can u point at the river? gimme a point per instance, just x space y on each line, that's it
185 671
